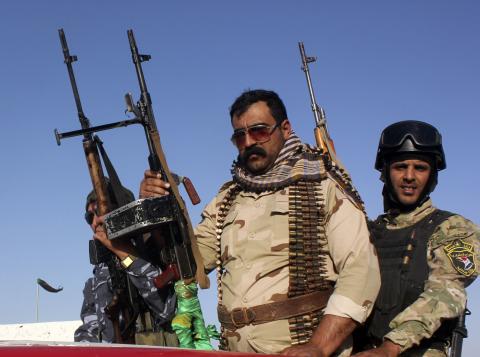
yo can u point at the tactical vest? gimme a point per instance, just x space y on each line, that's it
402 255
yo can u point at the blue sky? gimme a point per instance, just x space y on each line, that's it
378 62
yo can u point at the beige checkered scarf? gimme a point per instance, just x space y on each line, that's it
296 161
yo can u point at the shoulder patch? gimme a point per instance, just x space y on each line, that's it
462 256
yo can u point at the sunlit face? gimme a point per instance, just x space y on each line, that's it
259 157
409 178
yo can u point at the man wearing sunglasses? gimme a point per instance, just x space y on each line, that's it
427 256
97 292
282 236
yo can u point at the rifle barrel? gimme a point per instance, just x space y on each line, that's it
145 103
68 59
318 112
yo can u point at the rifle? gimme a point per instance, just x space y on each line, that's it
122 291
181 254
323 140
166 218
459 333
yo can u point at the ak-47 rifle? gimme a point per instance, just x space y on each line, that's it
323 139
166 217
122 291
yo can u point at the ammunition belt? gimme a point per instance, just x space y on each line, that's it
342 178
221 215
307 254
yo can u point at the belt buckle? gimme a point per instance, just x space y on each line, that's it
246 315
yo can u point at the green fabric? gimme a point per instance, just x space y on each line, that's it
160 338
188 323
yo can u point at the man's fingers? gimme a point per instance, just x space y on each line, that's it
100 235
156 182
152 174
153 186
152 190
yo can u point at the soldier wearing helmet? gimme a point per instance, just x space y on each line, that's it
427 256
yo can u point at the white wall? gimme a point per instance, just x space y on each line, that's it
42 331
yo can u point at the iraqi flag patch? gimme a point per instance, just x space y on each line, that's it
462 256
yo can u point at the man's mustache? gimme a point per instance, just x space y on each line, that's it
252 150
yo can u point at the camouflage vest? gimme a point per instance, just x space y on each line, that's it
402 255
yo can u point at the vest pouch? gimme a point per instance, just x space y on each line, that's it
401 285
389 296
388 304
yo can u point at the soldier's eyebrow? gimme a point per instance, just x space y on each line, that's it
399 164
422 166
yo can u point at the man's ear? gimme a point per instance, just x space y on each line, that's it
286 128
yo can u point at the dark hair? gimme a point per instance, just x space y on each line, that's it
249 97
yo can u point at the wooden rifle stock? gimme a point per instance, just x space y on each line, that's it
321 140
97 176
170 273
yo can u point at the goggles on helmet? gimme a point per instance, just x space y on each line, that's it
410 136
422 134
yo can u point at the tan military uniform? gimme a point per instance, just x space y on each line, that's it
452 256
255 255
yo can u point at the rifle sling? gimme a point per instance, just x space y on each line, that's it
120 198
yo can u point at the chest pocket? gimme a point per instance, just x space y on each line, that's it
279 218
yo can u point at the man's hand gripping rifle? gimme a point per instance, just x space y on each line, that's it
322 137
165 218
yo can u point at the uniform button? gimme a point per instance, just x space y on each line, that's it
244 299
251 235
248 265
257 204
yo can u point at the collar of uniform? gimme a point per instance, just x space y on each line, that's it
255 195
407 219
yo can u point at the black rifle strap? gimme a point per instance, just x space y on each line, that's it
118 192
